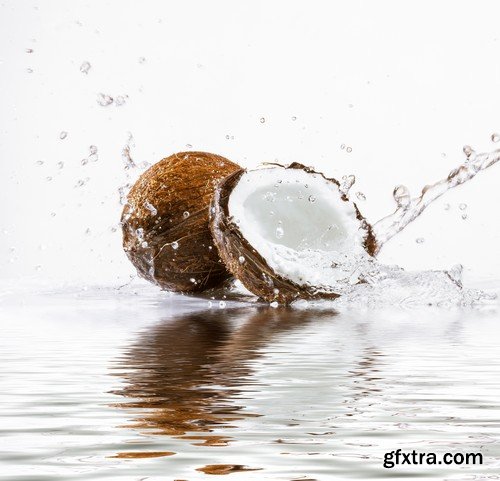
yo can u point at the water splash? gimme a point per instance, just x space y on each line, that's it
408 208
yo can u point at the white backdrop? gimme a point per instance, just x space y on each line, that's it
404 84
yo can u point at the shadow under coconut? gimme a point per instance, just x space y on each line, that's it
187 376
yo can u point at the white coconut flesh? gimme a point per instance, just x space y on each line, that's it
299 224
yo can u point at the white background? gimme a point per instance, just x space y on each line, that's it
405 84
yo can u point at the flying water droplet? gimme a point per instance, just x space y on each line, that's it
29 50
447 206
346 184
419 240
120 100
60 165
401 195
241 260
274 304
464 216
142 59
262 120
495 137
63 135
462 206
39 162
348 149
342 146
222 304
104 100
360 196
85 67
311 199
294 118
279 232
185 214
144 244
175 245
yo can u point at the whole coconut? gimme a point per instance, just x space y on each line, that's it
165 222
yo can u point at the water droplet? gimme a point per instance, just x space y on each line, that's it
447 206
29 70
185 214
142 59
84 161
144 244
93 149
82 182
85 67
60 165
274 304
120 100
140 234
48 178
192 280
279 232
52 214
38 267
419 240
222 304
151 208
39 162
175 245
464 216
88 231
262 120
189 146
29 50
209 304
401 195
311 199
241 260
347 182
468 150
348 149
63 135
360 196
294 118
495 137
462 206
342 146
104 100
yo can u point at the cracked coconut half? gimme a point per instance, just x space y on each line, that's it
289 232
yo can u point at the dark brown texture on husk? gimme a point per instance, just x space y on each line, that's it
255 274
182 183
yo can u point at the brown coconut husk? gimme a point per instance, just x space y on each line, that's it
175 250
255 274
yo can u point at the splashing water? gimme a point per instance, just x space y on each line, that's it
408 209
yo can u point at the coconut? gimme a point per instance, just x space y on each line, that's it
166 233
289 232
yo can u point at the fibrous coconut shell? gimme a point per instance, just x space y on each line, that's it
166 233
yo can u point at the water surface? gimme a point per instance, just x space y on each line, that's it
138 384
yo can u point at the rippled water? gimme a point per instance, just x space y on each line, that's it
138 384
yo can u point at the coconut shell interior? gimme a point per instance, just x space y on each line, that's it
255 273
165 222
